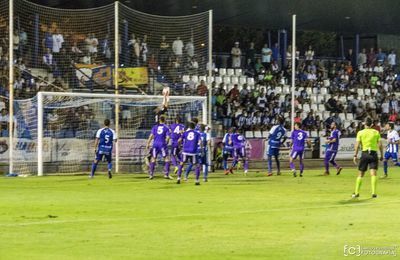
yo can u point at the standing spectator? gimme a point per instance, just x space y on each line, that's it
16 42
144 49
76 52
392 59
48 61
189 48
362 57
275 52
236 55
23 41
251 54
163 53
202 89
371 57
309 54
261 101
136 53
58 41
47 42
351 57
177 47
266 56
381 56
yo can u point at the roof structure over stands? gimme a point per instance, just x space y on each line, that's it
357 16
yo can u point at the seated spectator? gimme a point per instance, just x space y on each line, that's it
309 122
233 94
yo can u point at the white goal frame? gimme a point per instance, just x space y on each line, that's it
40 111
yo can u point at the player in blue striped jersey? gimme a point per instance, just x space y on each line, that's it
392 149
227 150
276 137
204 149
105 138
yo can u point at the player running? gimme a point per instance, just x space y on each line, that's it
160 133
277 136
370 141
105 137
333 146
227 151
299 138
191 141
393 140
239 150
177 130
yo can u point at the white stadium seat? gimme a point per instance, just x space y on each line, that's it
258 134
202 78
222 72
218 80
210 79
185 78
227 79
238 72
367 92
250 81
249 134
242 79
230 72
195 78
235 80
350 116
324 91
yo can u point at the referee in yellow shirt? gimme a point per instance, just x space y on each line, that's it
370 141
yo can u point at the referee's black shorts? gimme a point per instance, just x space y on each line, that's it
368 159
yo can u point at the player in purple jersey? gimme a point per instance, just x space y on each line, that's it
105 138
177 130
227 150
239 150
333 145
299 138
191 141
160 134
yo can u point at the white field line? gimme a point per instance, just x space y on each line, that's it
47 222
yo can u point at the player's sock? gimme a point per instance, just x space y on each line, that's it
179 171
197 172
334 163
167 166
358 185
188 169
278 164
94 166
301 167
109 170
234 162
326 163
205 171
152 167
269 163
385 167
173 161
246 165
292 167
225 164
373 184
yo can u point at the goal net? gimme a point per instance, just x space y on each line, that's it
55 132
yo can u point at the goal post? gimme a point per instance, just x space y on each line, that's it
139 107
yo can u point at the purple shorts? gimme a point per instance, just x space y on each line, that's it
330 156
294 154
159 150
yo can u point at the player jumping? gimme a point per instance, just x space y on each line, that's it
160 133
333 146
393 140
105 137
299 137
177 130
191 141
277 136
239 150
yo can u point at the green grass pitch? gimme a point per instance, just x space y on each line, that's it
230 217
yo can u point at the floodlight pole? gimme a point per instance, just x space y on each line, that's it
116 80
11 87
293 68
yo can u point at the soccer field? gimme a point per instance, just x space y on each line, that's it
230 217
